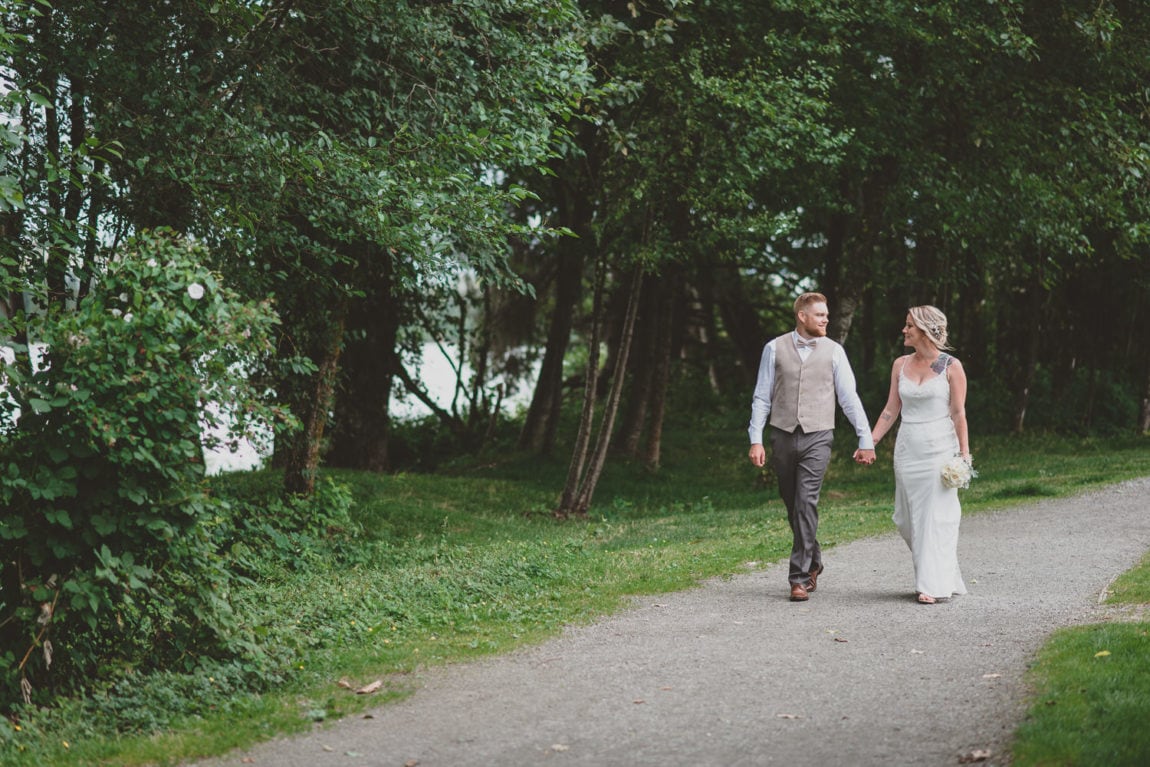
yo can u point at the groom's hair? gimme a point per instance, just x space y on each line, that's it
806 299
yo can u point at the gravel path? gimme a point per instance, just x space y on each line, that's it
732 673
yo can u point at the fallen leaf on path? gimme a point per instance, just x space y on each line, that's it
345 683
367 689
840 639
411 763
560 747
977 755
637 701
918 652
789 716
991 676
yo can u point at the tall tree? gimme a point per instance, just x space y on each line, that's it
409 110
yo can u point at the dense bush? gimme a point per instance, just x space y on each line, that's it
105 520
266 528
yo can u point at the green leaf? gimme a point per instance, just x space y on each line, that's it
59 517
103 524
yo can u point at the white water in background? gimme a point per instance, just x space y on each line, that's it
436 375
245 457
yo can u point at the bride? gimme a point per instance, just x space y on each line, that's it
928 388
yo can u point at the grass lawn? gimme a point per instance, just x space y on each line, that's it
469 562
1092 700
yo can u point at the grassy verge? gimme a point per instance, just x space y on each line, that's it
469 562
1092 683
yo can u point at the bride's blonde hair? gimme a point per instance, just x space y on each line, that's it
932 321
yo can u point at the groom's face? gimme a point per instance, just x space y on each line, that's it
813 320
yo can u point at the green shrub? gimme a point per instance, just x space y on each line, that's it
102 488
266 529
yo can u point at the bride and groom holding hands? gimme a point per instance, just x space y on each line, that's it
802 375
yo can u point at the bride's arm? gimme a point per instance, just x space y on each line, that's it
893 405
957 377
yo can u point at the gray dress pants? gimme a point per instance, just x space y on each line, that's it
800 460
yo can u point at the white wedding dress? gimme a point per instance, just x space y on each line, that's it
926 513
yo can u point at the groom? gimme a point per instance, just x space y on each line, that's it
801 374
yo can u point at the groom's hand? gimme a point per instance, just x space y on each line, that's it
758 454
864 456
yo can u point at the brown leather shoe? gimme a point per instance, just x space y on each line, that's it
799 593
813 583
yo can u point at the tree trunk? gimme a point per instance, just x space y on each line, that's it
741 323
590 387
846 306
361 429
669 299
56 267
303 459
1021 402
851 245
541 424
843 290
869 327
972 337
1144 415
479 408
640 368
1030 333
616 306
1140 308
701 301
1091 400
636 413
595 470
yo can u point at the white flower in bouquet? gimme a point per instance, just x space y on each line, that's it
957 472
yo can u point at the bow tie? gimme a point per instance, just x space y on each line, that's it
801 343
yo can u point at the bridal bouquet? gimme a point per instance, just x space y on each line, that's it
957 472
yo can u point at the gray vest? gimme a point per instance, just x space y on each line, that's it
804 393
